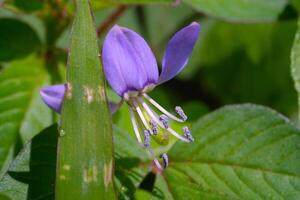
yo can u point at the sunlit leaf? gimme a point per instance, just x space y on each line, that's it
22 113
240 152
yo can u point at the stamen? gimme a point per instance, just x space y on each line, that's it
135 128
151 113
164 121
187 134
147 138
165 160
159 107
154 126
138 109
180 112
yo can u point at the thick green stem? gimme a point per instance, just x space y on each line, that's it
85 148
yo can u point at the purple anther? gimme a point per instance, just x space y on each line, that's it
180 112
164 121
153 126
187 134
147 138
165 159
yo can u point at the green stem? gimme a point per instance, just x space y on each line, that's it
85 149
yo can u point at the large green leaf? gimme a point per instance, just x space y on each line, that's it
240 152
295 63
17 39
22 113
32 173
240 10
85 154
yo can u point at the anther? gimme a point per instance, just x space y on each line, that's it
164 121
147 138
165 160
187 134
153 126
180 112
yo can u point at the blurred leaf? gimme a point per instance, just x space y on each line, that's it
295 63
32 174
100 4
17 39
240 10
33 21
242 63
240 152
296 4
22 113
29 5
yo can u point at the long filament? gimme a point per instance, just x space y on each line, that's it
135 128
159 107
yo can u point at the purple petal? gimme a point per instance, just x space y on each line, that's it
178 51
128 61
53 96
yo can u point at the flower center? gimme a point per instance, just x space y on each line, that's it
147 121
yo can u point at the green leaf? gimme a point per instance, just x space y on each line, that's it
17 39
22 113
100 3
32 174
295 63
240 152
240 10
85 152
131 163
33 171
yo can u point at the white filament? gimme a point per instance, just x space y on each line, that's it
138 109
152 115
159 107
135 128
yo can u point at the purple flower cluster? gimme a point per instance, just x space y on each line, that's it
131 70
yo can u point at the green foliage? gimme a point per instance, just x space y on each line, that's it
295 63
239 10
17 39
32 174
100 4
240 152
29 5
86 127
22 113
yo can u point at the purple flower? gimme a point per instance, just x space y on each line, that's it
131 70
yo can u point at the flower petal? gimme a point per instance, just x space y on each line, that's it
178 51
129 64
53 96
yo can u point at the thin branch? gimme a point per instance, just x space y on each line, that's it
111 19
